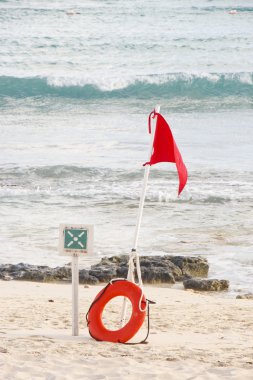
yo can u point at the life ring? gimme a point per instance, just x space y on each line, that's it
117 288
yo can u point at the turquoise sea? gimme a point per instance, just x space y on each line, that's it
77 82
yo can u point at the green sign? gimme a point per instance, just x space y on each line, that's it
75 239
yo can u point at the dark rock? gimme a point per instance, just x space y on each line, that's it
122 271
36 275
247 296
206 285
191 266
103 273
162 267
61 273
43 273
86 278
109 268
155 269
157 275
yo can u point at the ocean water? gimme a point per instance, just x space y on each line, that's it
75 93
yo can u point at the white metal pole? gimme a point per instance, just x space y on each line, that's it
75 283
142 200
130 275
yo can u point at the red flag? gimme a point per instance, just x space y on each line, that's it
165 149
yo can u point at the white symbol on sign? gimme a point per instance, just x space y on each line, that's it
75 238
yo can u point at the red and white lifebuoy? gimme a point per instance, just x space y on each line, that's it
117 288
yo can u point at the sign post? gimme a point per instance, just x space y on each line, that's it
75 298
76 240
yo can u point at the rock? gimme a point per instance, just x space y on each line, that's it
155 269
5 277
36 275
247 296
109 268
157 275
206 285
43 273
191 266
103 273
61 273
86 278
122 271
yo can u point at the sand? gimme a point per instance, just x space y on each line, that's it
193 336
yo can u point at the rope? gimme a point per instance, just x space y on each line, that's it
144 341
133 255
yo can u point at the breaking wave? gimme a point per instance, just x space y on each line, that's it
194 86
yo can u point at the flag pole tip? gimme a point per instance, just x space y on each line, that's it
157 108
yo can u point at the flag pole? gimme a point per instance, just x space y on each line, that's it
134 254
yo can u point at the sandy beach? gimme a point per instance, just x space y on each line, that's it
193 336
78 81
